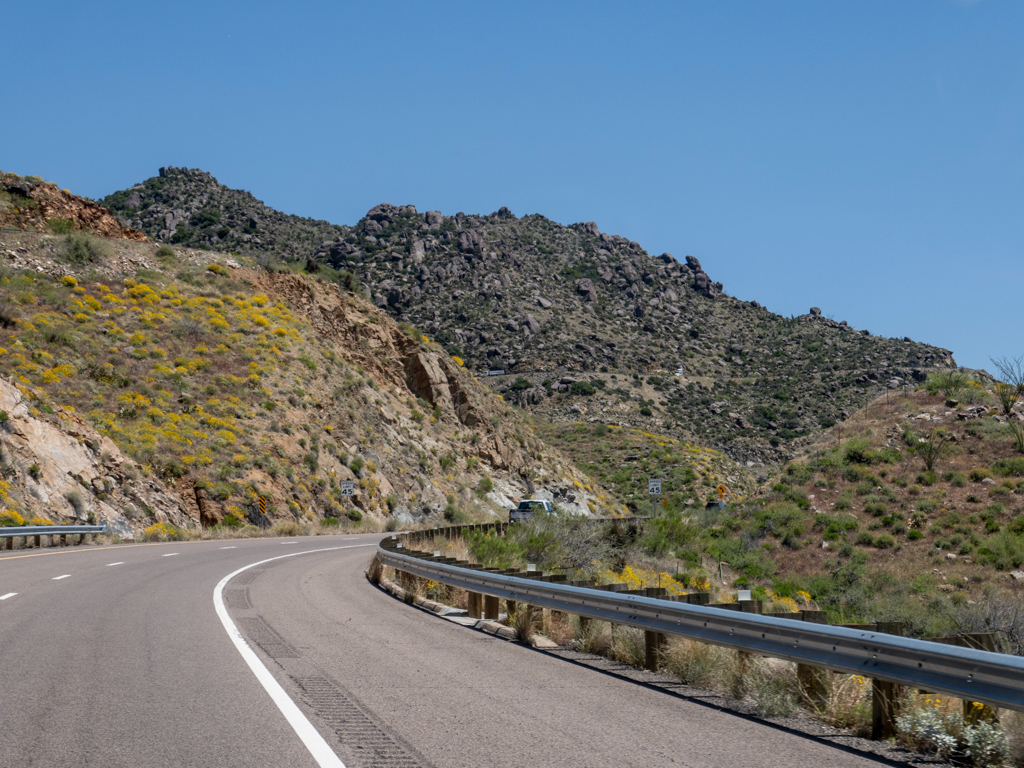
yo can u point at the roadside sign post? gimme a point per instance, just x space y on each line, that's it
347 489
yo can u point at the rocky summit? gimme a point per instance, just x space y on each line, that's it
581 324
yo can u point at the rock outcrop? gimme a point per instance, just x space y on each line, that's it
61 469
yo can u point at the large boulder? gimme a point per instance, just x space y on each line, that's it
585 288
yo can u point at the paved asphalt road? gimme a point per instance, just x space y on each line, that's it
125 662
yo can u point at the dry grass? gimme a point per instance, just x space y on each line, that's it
846 703
375 570
524 620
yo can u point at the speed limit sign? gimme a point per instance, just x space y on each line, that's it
654 486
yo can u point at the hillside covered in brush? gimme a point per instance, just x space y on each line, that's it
220 383
563 310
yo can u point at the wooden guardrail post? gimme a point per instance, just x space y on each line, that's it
38 540
474 604
491 609
63 539
885 696
974 711
812 679
654 649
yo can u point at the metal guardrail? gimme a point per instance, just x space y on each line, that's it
992 678
48 530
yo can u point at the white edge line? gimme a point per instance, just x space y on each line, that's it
9 594
65 576
229 547
318 748
169 554
120 563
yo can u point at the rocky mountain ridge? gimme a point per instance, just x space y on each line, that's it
567 312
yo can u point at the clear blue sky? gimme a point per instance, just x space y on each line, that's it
864 157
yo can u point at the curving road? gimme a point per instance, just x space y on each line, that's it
116 656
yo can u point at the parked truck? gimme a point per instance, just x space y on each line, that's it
527 508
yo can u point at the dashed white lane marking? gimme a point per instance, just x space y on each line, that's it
229 547
65 576
169 554
9 594
314 742
119 563
289 542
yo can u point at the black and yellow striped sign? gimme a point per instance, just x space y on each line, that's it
263 505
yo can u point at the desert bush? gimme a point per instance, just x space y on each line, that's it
1009 467
59 226
524 621
697 664
10 517
590 636
950 383
288 528
165 532
82 249
629 646
75 500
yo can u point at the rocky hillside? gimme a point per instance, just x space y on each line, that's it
189 207
211 383
31 204
569 312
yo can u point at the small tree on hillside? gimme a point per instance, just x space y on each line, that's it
951 383
1010 386
931 447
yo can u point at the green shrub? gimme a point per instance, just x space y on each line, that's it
925 478
978 474
875 508
485 485
914 534
1008 467
354 515
59 226
164 252
82 249
75 500
232 521
1004 550
645 411
865 539
582 388
885 541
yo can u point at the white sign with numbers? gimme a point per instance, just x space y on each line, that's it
347 488
654 486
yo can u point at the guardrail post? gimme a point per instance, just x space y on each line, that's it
9 542
654 648
38 540
885 695
812 679
491 607
474 601
974 711
63 539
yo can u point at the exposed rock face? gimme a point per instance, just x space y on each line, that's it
66 472
30 205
